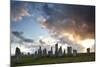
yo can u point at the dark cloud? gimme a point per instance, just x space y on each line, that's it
66 23
70 23
41 42
76 19
20 36
28 40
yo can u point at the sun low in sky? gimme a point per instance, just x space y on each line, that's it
35 24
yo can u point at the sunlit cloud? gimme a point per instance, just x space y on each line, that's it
18 11
69 26
87 43
66 25
19 14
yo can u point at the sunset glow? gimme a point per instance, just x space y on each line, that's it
70 36
44 24
87 43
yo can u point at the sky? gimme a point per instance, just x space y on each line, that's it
35 24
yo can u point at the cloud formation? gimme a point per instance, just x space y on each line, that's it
21 37
70 23
76 20
67 24
18 11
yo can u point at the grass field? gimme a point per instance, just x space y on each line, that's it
30 60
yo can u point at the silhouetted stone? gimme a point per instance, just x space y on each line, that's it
60 51
17 52
88 51
56 49
40 51
74 52
64 52
44 52
69 51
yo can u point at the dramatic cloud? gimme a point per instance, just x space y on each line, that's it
75 20
21 37
70 24
66 24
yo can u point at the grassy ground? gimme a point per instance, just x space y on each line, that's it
30 60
